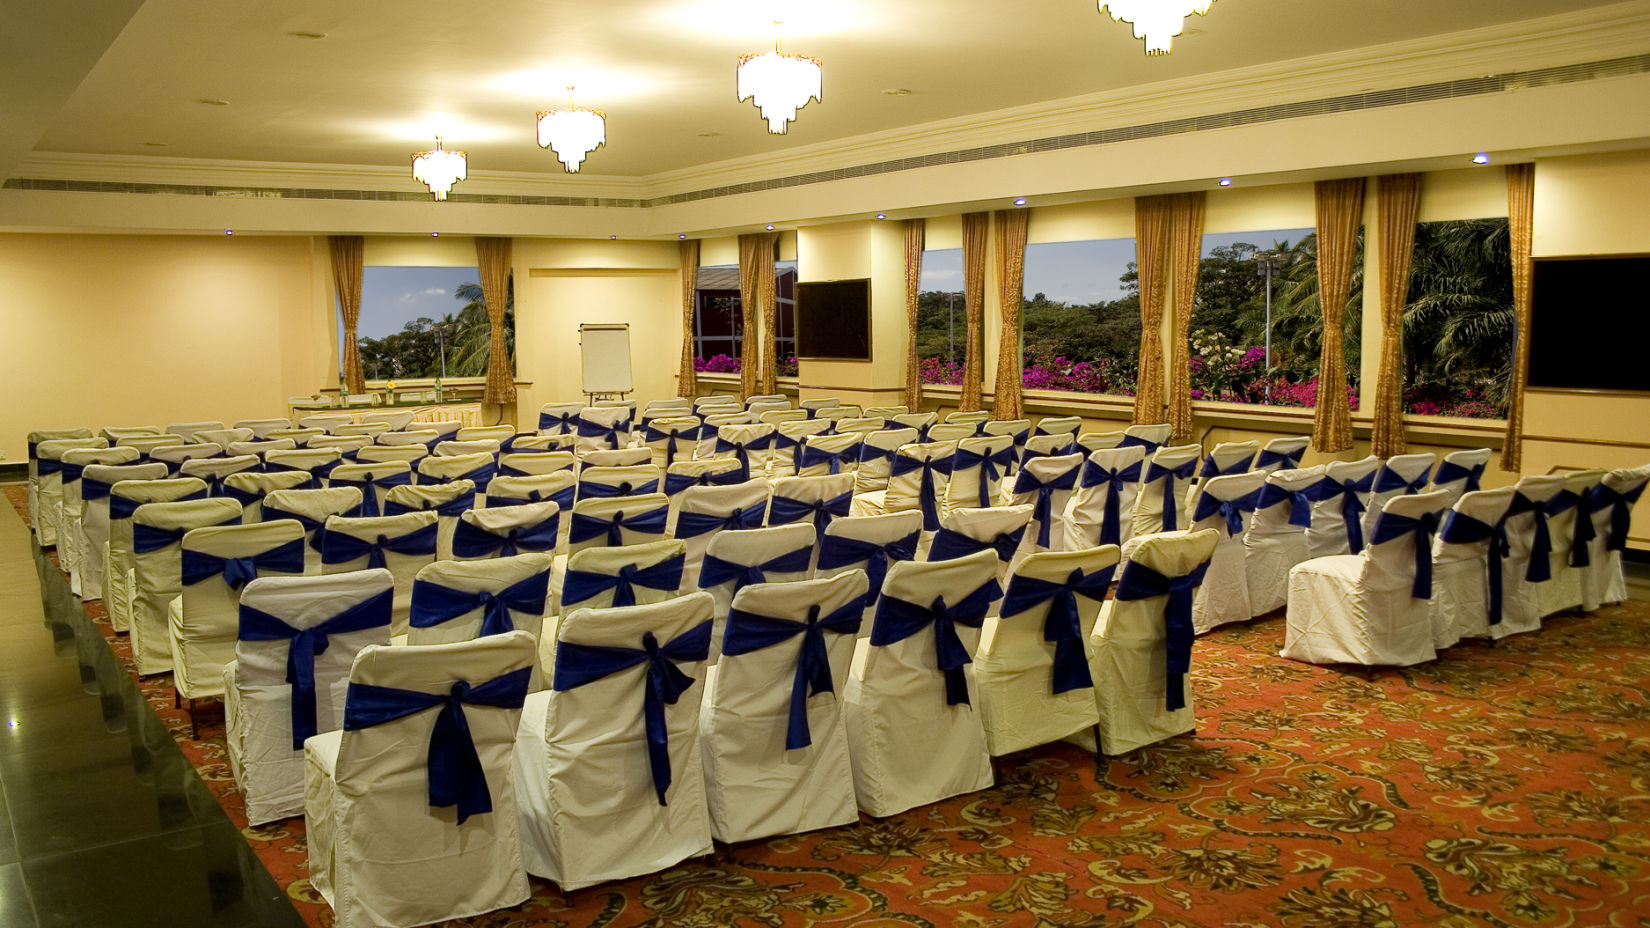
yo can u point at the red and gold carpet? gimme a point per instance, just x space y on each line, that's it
1504 786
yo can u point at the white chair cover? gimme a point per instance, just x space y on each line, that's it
394 419
216 565
812 501
262 427
1017 429
188 429
96 483
917 477
1610 506
978 471
775 745
717 399
383 454
445 428
1032 666
379 851
541 443
1465 602
479 468
299 437
735 415
603 427
424 438
921 421
999 529
316 462
1225 505
214 470
358 430
1276 538
910 703
447 500
684 474
1090 442
1041 446
816 454
1228 458
1282 453
403 544
71 532
623 575
557 487
226 437
157 559
249 488
779 416
1101 511
465 600
751 445
535 463
608 482
311 508
1150 437
148 443
505 531
1338 507
498 433
264 726
1400 475
173 456
324 420
1047 484
1374 607
1565 512
260 446
882 412
876 456
970 417
1164 482
953 431
700 512
1460 472
448 448
1057 425
374 481
125 497
615 457
869 544
1528 566
841 411
48 464
736 559
559 418
596 802
1142 642
856 423
112 432
671 438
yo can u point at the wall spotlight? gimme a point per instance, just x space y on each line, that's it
435 235
882 215
769 227
229 231
681 235
1019 201
612 238
1226 182
1482 157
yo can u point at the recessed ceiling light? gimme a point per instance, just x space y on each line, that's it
214 101
308 35
612 238
1019 201
1226 182
709 135
229 231
435 235
681 235
769 227
1482 157
882 215
897 92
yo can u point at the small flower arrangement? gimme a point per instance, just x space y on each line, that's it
390 385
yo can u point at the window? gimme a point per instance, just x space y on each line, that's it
425 322
1081 323
942 317
719 325
1459 322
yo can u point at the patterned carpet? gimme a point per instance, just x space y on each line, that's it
1504 786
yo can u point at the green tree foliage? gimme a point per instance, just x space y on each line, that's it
1459 324
415 351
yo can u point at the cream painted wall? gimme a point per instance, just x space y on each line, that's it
133 330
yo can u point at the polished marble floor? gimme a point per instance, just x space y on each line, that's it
103 822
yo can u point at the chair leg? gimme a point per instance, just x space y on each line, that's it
1099 750
194 723
177 699
566 897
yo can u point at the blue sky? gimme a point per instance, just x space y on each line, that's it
393 296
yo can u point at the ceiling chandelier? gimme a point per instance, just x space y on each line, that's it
439 169
1156 21
779 84
572 133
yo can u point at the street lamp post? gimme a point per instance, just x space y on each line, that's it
1268 263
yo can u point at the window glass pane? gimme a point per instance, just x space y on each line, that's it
416 320
718 323
1232 327
785 316
1081 316
1458 323
942 317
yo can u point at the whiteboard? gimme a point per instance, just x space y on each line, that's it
605 349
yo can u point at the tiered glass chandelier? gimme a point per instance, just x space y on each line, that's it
779 84
572 133
1156 21
439 169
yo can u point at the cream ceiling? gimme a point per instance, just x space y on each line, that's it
388 73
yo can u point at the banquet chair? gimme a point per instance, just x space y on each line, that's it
869 544
147 443
505 531
736 559
750 445
358 430
1090 442
1373 608
607 482
174 456
841 411
608 761
311 509
916 480
114 433
375 481
259 446
1528 566
557 487
424 438
456 601
910 701
1400 475
384 454
616 457
884 412
1460 472
390 419
478 468
971 417
262 427
876 457
536 463
348 446
1141 648
49 482
726 415
202 623
157 570
316 462
617 520
35 438
1032 664
811 500
1567 526
702 403
718 472
700 512
675 406
250 488
390 841
559 418
188 429
999 529
445 429
1047 483
1275 540
298 436
823 402
1469 568
401 543
1224 505
1160 506
1338 507
1019 430
1043 446
1228 458
1610 507
125 496
978 471
498 433
921 421
671 437
953 431
532 442
447 448
214 470
96 483
780 415
1101 510
775 745
625 575
1282 453
790 438
603 427
1151 437
447 501
314 625
225 437
72 546
1068 426
324 420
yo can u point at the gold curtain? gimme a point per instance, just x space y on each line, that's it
1186 239
1011 273
1397 199
770 317
914 229
1151 246
1340 209
687 382
1521 228
347 251
493 263
974 229
755 253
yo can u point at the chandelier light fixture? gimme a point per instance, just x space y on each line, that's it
779 84
1156 21
572 133
439 169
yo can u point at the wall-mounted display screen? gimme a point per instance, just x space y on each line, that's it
1588 319
833 320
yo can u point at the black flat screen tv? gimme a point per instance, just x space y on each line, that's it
1589 316
833 320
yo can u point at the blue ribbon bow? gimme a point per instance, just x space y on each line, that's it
578 664
1130 441
648 522
590 489
481 476
651 434
1352 505
1620 503
812 455
316 472
715 571
589 429
94 489
1111 521
1062 626
897 620
433 603
341 548
450 509
472 541
869 452
1390 527
562 498
748 631
840 551
676 483
1449 472
1156 472
949 545
694 524
1043 511
783 510
742 449
147 539
1462 529
45 467
369 496
665 576
307 644
1141 582
123 507
1387 480
562 423
286 558
1231 510
1283 460
1300 501
1212 468
1540 568
926 496
456 774
992 468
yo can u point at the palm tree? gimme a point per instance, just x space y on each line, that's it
471 342
1459 325
1297 313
